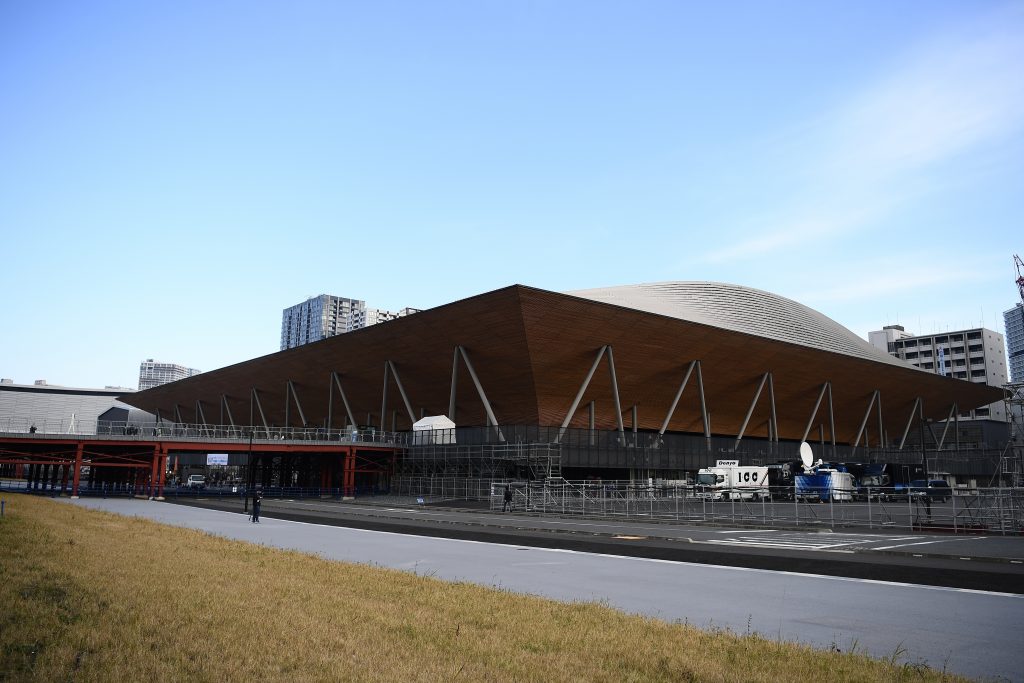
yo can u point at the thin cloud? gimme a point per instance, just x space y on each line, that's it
896 278
954 94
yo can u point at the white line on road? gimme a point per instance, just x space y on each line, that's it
938 540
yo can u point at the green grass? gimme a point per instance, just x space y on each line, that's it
91 596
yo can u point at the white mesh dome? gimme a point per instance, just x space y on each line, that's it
741 309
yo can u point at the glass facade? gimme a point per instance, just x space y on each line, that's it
1014 320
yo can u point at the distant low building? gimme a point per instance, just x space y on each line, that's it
51 409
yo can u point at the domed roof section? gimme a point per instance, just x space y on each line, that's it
741 309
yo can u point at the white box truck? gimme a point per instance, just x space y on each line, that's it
728 480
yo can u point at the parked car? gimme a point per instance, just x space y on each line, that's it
937 490
196 481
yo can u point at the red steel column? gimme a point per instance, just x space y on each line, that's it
350 472
78 469
163 472
154 473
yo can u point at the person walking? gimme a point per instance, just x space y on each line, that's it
257 501
508 499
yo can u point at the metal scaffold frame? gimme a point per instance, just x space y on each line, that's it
1011 461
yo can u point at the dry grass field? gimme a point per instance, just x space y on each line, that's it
90 596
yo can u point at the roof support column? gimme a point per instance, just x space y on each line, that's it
814 412
255 398
590 421
177 414
952 411
615 395
336 382
774 423
831 421
200 415
864 422
479 390
675 401
750 410
579 394
291 394
881 423
910 421
227 409
704 408
388 365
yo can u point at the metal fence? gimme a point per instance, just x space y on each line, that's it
442 488
127 489
149 431
995 511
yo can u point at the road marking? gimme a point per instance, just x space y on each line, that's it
904 545
811 541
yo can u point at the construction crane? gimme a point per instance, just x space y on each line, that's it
1020 275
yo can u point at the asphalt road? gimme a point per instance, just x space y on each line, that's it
970 631
972 561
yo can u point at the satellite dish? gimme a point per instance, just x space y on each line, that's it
806 455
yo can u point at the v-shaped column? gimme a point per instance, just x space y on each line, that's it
491 419
583 389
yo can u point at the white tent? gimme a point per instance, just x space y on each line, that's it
435 429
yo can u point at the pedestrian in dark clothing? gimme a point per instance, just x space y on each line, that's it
508 499
257 500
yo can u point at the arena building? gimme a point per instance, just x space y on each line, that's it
633 381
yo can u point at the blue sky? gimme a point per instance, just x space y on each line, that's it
172 175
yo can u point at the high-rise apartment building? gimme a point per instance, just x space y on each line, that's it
1014 320
153 374
372 316
324 316
319 317
975 355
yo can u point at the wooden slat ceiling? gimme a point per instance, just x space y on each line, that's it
532 349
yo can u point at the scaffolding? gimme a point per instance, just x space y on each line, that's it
1010 471
444 470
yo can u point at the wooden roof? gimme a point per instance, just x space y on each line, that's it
532 349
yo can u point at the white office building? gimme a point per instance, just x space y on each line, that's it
976 355
885 338
153 373
1014 320
326 315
